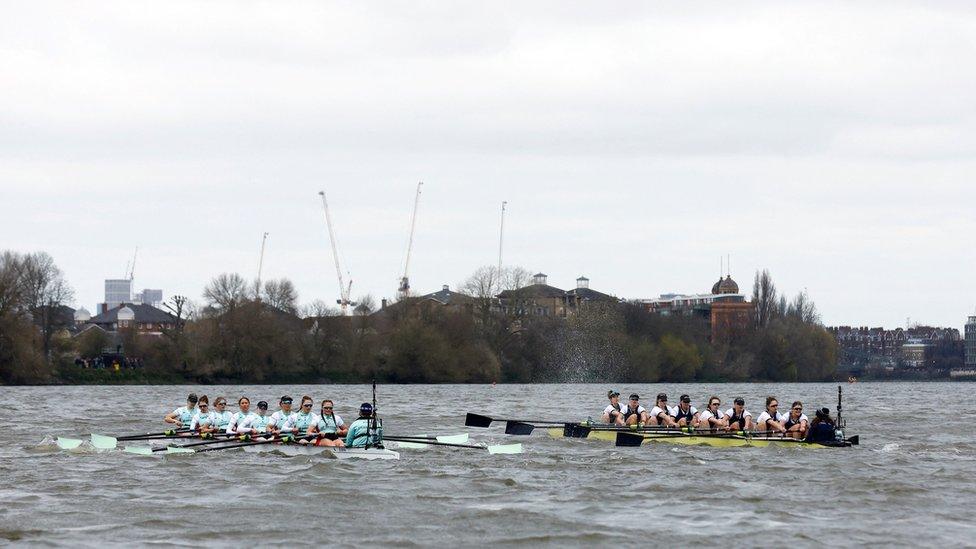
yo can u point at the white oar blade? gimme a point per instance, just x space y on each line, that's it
454 439
178 450
68 443
403 444
139 450
103 442
505 449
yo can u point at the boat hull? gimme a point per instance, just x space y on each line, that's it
694 440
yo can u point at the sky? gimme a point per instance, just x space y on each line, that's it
636 143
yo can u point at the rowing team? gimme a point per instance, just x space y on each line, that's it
327 425
793 424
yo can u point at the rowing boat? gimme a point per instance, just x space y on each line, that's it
677 437
330 451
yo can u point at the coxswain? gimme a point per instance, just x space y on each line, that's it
258 422
358 432
635 414
203 419
300 422
329 425
796 423
280 417
712 418
661 414
614 412
686 415
822 428
771 419
238 418
221 416
182 416
737 417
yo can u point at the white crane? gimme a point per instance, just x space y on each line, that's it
404 290
344 300
257 285
130 268
501 236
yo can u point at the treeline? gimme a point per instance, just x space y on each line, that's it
240 333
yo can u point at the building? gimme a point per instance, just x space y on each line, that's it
541 299
914 353
967 372
143 318
445 300
724 309
149 297
117 291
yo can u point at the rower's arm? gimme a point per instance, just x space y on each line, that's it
171 417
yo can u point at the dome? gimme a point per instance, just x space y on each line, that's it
716 285
125 313
82 315
728 286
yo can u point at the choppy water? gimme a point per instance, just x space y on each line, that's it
905 485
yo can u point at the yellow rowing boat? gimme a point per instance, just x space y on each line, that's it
677 437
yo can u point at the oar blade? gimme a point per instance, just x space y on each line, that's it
413 445
854 440
68 443
575 430
453 439
139 450
178 450
103 442
518 428
476 420
629 439
505 449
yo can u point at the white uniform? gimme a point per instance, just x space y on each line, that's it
691 410
803 417
610 408
707 414
255 421
237 421
657 411
731 412
766 415
202 419
279 418
625 409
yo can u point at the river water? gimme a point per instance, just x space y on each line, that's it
907 484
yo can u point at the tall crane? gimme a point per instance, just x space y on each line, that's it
501 237
131 267
404 290
257 285
344 300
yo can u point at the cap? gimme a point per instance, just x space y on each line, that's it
366 409
285 400
263 405
740 401
662 396
611 393
685 398
634 397
192 397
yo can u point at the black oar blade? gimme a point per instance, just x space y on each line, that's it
477 420
518 428
855 440
629 439
575 430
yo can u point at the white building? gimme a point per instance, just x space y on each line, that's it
117 291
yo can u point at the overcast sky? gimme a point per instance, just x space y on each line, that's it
635 142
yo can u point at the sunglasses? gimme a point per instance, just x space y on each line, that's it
773 405
798 408
262 407
714 403
221 404
308 405
327 407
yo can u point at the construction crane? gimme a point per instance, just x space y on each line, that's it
344 300
404 290
257 285
501 237
130 268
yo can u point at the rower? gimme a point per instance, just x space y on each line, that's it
614 412
712 418
771 419
280 417
221 416
661 414
256 423
238 419
182 416
737 417
686 415
796 423
203 419
330 426
358 432
301 421
635 414
822 429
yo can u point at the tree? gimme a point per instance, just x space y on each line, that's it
19 360
226 291
764 298
45 292
282 295
803 309
366 305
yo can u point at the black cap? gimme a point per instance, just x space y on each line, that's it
285 400
740 401
685 398
263 405
366 409
662 396
634 397
192 397
611 393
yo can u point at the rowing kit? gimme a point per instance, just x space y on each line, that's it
380 447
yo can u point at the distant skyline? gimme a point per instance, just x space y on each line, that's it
635 143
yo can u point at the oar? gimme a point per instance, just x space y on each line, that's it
103 442
478 420
168 433
142 450
492 449
242 438
452 439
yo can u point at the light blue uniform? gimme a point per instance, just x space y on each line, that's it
358 433
329 424
201 420
300 421
257 421
237 420
222 419
185 415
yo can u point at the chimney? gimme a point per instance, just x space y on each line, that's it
446 288
383 303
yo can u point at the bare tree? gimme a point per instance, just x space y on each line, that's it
45 291
514 278
318 309
282 295
764 298
803 308
366 305
178 307
226 291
